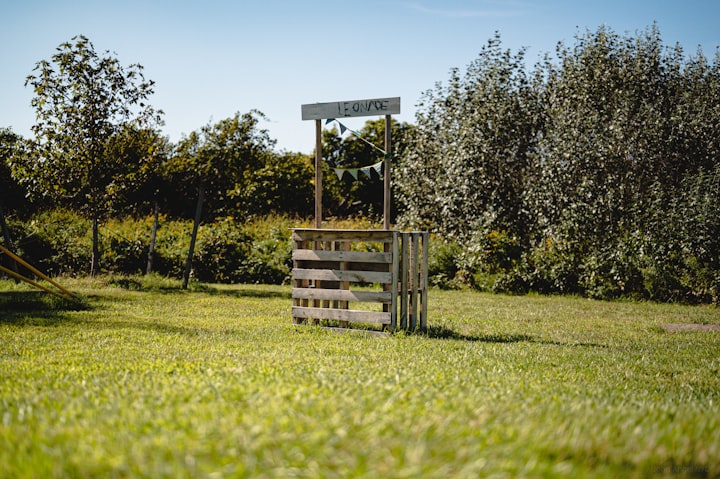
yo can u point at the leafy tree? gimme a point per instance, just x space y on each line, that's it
10 193
83 102
219 161
284 184
596 172
624 116
145 152
466 160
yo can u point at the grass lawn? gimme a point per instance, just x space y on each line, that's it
151 381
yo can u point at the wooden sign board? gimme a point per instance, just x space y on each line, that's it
345 109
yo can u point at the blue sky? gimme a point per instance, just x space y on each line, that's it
213 58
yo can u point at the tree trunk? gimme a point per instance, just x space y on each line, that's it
193 237
95 259
153 235
8 239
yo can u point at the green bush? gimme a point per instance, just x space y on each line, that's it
550 267
443 265
56 242
222 250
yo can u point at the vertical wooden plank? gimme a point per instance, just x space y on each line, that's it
424 279
318 174
387 247
327 246
394 283
386 176
413 283
404 281
318 194
344 246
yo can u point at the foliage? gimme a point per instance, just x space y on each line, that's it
154 381
469 152
600 167
56 242
221 158
228 251
442 263
83 102
146 183
283 184
361 196
12 195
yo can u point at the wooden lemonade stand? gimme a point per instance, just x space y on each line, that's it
344 277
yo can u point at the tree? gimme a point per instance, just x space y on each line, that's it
626 117
466 159
219 161
597 171
83 102
10 192
284 184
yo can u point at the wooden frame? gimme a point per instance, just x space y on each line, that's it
328 275
352 108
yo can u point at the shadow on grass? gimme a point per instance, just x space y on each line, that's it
31 308
134 284
441 332
249 293
36 308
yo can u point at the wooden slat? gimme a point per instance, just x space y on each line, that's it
424 280
394 285
380 236
352 315
350 256
351 108
337 275
342 295
404 276
413 284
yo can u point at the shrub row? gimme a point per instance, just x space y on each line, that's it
260 251
227 250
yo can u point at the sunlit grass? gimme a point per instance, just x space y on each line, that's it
152 381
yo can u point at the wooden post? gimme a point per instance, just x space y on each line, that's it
424 280
318 174
386 176
153 237
193 235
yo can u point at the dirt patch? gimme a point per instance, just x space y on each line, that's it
675 327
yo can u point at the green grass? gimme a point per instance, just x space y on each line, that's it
149 381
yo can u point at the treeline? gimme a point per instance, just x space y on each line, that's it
597 172
97 150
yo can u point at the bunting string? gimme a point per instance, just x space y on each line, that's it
354 172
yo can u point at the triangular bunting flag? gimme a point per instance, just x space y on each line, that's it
353 172
329 120
342 128
378 168
339 172
366 170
